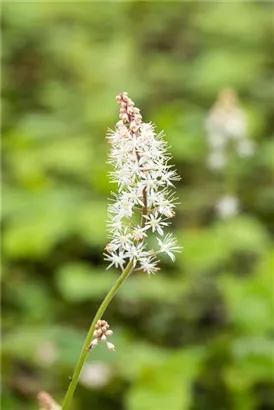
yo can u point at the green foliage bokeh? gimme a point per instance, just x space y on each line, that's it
196 336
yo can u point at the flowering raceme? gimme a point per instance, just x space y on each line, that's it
144 202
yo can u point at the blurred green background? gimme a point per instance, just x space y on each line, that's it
196 336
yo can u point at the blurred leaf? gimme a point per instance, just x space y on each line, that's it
159 287
78 282
167 386
250 300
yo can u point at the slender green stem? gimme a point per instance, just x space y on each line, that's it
75 378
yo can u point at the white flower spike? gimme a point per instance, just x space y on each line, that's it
227 124
144 178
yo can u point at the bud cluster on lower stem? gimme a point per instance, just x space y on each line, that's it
79 366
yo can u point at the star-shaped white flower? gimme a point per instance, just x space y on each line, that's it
149 265
169 245
118 260
154 221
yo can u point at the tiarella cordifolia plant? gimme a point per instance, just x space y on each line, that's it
142 205
144 177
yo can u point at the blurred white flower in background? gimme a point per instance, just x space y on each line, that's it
95 375
245 148
227 122
227 206
216 160
46 353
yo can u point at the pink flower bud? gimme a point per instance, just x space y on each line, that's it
93 344
103 338
110 346
119 123
125 117
109 333
138 118
133 126
130 111
98 333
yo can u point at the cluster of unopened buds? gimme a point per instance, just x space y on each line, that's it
128 112
101 333
46 402
144 177
228 206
